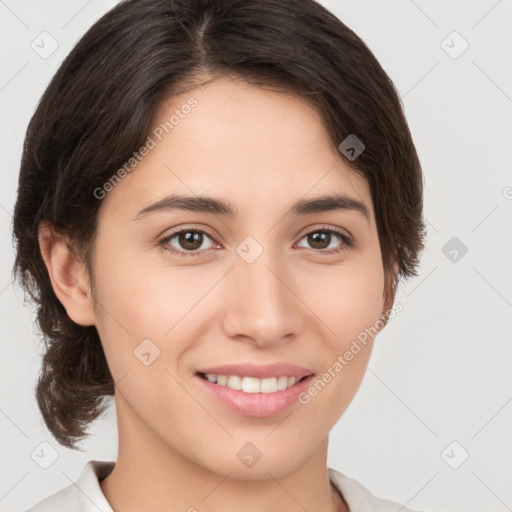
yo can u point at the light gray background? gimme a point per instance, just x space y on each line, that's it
441 370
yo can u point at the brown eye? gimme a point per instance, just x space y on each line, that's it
327 240
186 241
319 239
190 240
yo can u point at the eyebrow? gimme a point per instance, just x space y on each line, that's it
211 205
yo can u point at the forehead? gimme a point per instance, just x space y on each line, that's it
242 143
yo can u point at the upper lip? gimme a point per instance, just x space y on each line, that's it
259 372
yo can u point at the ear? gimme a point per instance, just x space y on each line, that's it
68 276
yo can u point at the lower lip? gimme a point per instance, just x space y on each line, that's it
258 405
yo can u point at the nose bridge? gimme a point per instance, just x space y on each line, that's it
262 307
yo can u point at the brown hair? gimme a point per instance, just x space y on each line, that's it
109 89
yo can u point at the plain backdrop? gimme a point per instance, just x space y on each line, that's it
430 426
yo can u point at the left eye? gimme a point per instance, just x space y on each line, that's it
319 237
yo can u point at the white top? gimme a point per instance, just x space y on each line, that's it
85 495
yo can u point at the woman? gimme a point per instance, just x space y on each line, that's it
216 202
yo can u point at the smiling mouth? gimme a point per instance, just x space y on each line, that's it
253 384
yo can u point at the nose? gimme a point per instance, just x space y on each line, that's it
262 306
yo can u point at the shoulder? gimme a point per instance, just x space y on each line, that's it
359 499
84 495
65 499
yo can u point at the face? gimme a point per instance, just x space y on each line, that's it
267 290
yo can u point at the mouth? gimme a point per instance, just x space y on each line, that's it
272 392
253 384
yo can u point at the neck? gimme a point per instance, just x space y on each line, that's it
151 475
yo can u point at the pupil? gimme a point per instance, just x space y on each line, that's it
189 239
319 238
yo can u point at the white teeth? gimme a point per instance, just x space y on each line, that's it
269 385
282 383
252 384
234 382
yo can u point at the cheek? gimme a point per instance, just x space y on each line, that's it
140 293
359 304
347 298
349 301
140 297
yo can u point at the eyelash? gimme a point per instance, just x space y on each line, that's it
346 242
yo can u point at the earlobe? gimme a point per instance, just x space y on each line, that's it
68 276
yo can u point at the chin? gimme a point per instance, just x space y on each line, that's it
274 464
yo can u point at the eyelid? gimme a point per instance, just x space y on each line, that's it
323 227
192 227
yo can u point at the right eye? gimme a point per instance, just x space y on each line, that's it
187 242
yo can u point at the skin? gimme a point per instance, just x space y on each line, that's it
262 151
